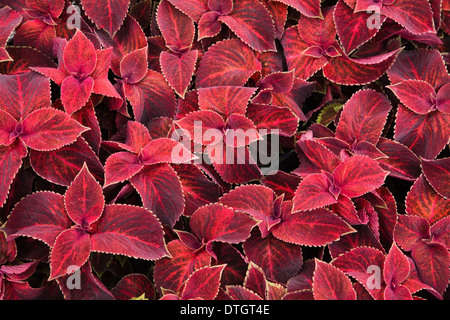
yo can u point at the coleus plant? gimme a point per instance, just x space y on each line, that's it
104 178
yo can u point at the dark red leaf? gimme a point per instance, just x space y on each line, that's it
203 283
106 14
331 284
310 8
411 230
133 286
434 170
10 19
179 69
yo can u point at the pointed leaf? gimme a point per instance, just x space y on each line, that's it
310 8
251 26
75 93
313 192
434 170
84 199
359 175
106 14
198 123
415 94
423 201
270 118
411 230
203 283
10 19
161 192
121 166
49 129
133 66
194 9
363 117
331 284
72 248
314 228
238 64
132 286
396 267
179 69
177 28
165 150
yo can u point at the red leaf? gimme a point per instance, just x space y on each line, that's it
282 183
358 175
318 32
75 93
352 26
199 123
61 166
432 261
177 28
84 199
151 97
396 267
411 230
72 248
331 284
314 228
443 99
133 66
53 8
319 156
251 26
120 167
216 222
358 263
440 231
203 283
171 273
130 231
363 117
37 34
416 16
132 286
49 129
161 192
422 200
24 58
273 118
106 14
198 190
40 215
24 93
79 55
419 132
313 192
434 170
225 100
255 280
421 64
194 9
10 19
179 69
238 64
257 201
415 94
241 293
401 163
310 8
209 25
279 260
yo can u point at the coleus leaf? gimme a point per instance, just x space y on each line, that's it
132 286
251 26
417 95
363 117
177 29
270 118
422 200
179 69
310 8
216 222
171 273
107 14
203 283
194 9
396 270
419 132
10 20
410 230
238 64
331 284
354 177
433 171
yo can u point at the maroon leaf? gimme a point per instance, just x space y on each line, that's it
171 273
360 263
433 171
134 231
40 215
79 55
415 94
251 26
179 69
396 267
331 284
225 100
11 160
310 8
61 166
26 93
272 118
363 117
177 29
314 228
194 9
49 129
84 199
132 286
107 14
238 64
410 230
10 19
279 260
313 192
216 222
422 200
133 66
72 248
121 166
203 283
161 192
